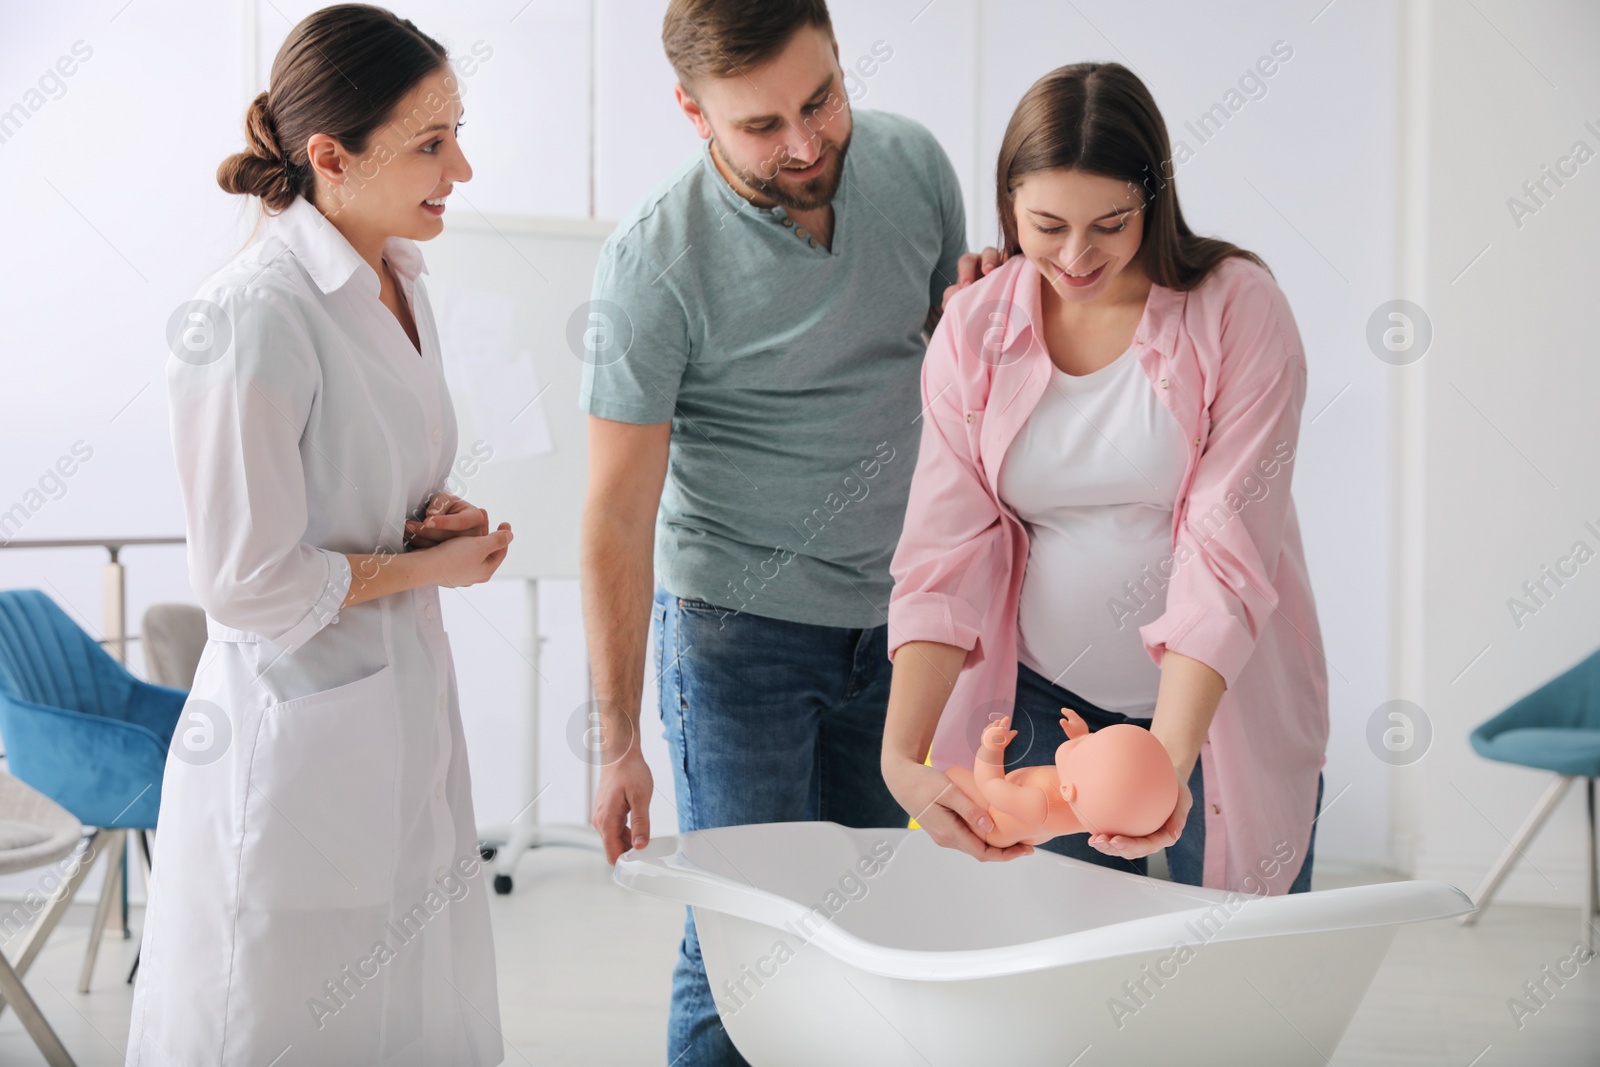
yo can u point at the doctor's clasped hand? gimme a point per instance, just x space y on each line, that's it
457 558
445 516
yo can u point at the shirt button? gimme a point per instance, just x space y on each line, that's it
969 416
788 222
438 790
800 231
437 435
1216 809
1197 440
438 874
428 611
1163 383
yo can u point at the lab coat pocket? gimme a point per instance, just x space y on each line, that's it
320 815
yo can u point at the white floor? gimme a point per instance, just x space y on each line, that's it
585 966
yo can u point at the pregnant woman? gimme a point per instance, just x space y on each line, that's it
1100 516
317 895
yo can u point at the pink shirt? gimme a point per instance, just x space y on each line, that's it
1227 362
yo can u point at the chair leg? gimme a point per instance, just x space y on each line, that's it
59 903
116 854
1530 826
121 911
16 994
1591 903
147 859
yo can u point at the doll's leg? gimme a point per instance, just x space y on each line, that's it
1007 830
964 781
1025 803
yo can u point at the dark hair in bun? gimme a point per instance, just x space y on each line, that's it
341 72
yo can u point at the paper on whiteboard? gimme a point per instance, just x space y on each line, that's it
508 407
500 385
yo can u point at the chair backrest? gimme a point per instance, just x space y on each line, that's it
46 658
1570 700
174 637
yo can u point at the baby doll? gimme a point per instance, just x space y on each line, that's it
1116 780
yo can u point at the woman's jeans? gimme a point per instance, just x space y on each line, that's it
767 721
1037 721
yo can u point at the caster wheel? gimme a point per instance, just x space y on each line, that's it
502 884
487 852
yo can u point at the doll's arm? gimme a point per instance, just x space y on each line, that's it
1073 724
1022 801
990 764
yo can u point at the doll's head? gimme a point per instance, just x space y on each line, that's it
1118 780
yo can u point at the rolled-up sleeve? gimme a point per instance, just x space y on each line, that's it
1222 594
237 429
951 552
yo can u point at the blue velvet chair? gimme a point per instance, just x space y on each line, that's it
1554 728
86 733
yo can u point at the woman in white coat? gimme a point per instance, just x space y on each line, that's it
318 897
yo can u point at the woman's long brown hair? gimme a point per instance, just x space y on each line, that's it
1099 118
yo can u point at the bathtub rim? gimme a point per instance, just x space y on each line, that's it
663 871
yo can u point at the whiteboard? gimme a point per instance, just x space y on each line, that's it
505 293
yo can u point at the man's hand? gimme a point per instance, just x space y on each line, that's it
446 516
972 266
622 804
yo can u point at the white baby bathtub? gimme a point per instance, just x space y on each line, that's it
828 946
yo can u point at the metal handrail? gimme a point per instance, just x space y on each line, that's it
112 543
113 581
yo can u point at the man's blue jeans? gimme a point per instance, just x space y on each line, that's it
767 721
1037 721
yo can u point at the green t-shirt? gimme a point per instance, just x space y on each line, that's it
790 372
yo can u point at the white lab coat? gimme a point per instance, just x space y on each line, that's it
317 897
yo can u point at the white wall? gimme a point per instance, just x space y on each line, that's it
110 199
1500 417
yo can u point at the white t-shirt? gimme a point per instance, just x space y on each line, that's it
1094 473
